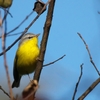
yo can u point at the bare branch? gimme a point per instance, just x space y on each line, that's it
44 40
6 10
94 84
5 64
91 60
54 61
20 23
13 34
43 45
42 49
4 91
77 84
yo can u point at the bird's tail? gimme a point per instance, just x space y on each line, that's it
16 83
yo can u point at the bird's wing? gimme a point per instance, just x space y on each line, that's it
15 71
16 75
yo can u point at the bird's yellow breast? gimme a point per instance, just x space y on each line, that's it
26 56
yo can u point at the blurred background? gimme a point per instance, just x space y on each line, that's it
58 81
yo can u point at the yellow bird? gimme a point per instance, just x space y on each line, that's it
26 57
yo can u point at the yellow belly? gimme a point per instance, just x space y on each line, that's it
26 58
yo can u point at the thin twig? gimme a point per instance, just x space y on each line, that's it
7 93
7 34
7 10
94 84
5 64
20 23
6 13
77 84
13 34
91 60
54 61
26 29
4 91
5 24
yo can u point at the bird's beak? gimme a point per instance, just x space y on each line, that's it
37 35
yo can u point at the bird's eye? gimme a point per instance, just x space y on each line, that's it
29 37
